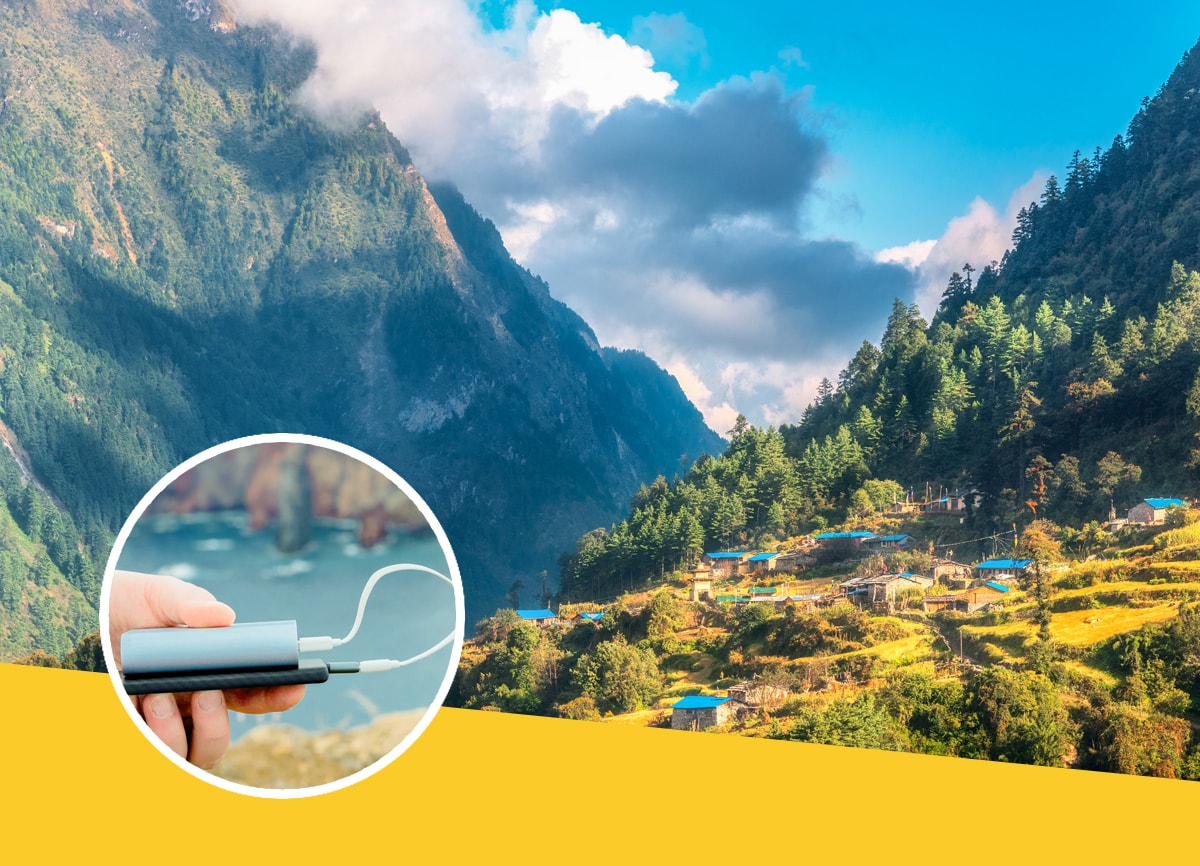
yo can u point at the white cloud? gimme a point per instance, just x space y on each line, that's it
445 84
532 220
673 227
977 237
911 255
576 64
718 414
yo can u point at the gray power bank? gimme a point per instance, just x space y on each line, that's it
242 646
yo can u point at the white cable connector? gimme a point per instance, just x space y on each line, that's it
325 643
372 666
317 644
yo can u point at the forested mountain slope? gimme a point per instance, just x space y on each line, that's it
1060 382
1063 379
186 256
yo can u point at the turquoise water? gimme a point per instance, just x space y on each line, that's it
319 588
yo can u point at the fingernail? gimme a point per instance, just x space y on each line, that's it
211 700
161 706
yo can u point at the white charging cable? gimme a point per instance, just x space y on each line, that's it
325 642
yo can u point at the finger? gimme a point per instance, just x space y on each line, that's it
163 718
157 600
175 602
274 699
210 729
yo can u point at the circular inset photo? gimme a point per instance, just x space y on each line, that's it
282 615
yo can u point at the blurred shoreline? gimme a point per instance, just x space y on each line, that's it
284 756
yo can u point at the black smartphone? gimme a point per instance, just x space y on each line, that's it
308 671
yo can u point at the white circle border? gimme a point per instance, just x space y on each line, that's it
271 439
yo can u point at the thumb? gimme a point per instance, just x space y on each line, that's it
174 602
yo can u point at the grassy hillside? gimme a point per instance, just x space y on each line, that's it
1093 665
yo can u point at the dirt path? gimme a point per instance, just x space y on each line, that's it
937 630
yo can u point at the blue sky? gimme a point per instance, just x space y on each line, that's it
741 189
931 104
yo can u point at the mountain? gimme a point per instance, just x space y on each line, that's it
48 585
1062 381
186 256
1119 218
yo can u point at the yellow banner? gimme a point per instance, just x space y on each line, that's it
81 784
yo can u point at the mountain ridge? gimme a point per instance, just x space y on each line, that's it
190 257
1061 380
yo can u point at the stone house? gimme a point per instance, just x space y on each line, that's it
887 542
950 573
762 562
540 618
833 539
792 560
726 564
1002 569
755 695
881 588
700 712
1151 511
949 601
983 595
966 602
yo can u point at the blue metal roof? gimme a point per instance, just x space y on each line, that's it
1164 503
858 534
594 617
894 537
999 587
737 554
1017 564
536 614
759 557
698 702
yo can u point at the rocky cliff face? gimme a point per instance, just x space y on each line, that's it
185 257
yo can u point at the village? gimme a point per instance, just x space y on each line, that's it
810 575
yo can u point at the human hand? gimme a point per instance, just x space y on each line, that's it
194 725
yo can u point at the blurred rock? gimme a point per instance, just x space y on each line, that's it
293 531
372 528
256 478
